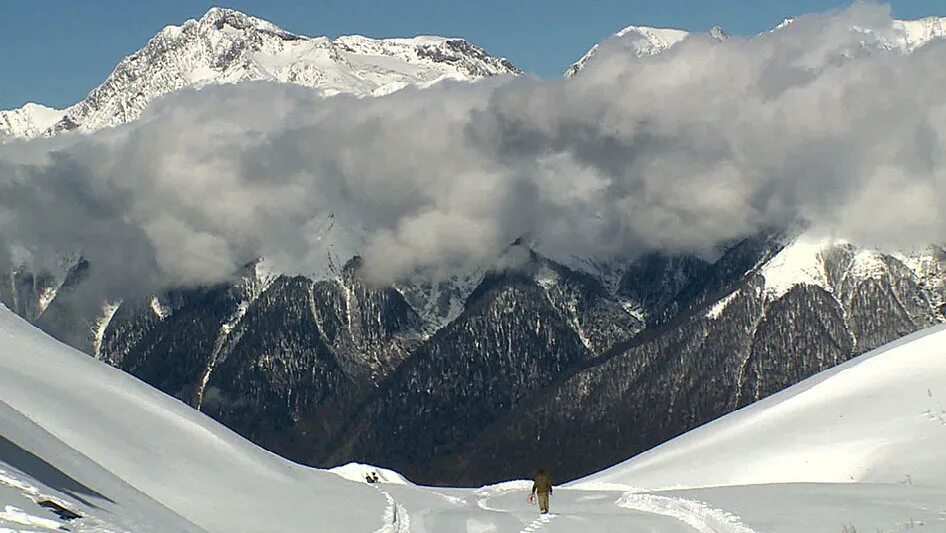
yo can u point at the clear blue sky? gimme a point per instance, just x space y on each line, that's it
55 51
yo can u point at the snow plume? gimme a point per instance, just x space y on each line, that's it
821 122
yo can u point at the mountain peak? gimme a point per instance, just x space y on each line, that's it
216 13
640 41
29 120
907 35
228 46
718 33
220 17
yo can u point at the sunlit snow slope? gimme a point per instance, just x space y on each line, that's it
880 418
79 434
129 443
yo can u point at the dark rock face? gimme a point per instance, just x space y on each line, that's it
509 343
22 292
543 365
807 323
661 383
275 379
282 362
666 285
170 354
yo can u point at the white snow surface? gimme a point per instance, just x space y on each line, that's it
916 33
639 40
29 120
227 46
880 418
127 458
642 41
801 262
200 471
804 261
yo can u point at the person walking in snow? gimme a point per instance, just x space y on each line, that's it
542 486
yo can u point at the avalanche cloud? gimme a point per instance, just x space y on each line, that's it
820 122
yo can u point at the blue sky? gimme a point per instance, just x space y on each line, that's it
55 51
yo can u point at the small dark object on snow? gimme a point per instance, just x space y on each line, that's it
372 477
542 487
59 510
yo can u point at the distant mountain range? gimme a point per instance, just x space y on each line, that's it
226 46
641 41
470 378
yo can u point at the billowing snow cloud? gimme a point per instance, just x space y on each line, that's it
819 123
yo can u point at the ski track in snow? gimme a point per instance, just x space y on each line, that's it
483 503
696 514
396 519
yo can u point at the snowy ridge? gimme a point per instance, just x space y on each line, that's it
226 46
101 325
799 263
28 121
904 35
639 40
807 260
916 33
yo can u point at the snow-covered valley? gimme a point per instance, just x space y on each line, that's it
858 446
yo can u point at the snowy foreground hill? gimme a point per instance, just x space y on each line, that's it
860 446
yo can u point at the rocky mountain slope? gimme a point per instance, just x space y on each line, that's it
541 360
226 46
807 308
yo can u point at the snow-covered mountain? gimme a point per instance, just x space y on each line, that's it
641 41
28 121
227 46
913 34
86 448
716 336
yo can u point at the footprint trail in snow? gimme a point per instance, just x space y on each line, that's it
538 523
696 514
